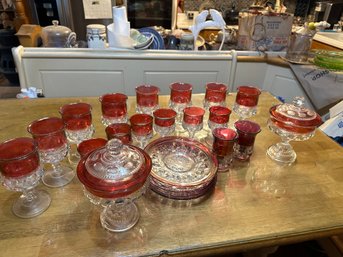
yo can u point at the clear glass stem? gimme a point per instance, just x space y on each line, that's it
282 152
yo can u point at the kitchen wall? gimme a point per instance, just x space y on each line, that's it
194 5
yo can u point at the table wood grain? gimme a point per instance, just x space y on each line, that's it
256 204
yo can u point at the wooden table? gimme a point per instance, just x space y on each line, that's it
256 204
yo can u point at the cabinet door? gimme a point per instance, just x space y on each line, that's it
281 82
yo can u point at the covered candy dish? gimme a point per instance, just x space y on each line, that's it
182 168
291 122
114 176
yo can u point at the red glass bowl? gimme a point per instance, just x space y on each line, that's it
215 92
88 146
193 115
76 116
248 96
141 124
219 114
113 105
121 131
180 92
18 157
107 188
164 117
147 95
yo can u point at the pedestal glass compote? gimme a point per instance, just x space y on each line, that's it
121 131
113 108
218 118
224 140
142 128
247 132
114 176
164 121
53 147
292 122
193 119
215 94
246 102
180 98
147 99
20 171
77 118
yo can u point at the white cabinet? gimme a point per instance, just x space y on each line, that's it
250 73
88 72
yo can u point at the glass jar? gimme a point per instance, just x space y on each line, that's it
96 36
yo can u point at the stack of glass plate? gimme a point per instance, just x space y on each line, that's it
332 60
182 168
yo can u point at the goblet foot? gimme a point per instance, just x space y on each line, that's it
59 176
282 152
120 216
31 204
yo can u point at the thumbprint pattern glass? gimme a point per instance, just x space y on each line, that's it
113 108
215 94
77 118
164 121
120 131
53 147
147 99
193 119
142 128
246 102
247 132
20 171
180 98
224 140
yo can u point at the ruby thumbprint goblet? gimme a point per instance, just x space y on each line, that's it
193 119
120 131
142 128
247 132
164 121
20 171
224 140
147 99
89 145
53 147
180 98
77 118
113 108
218 118
215 94
246 102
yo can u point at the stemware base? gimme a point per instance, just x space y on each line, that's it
120 216
282 152
58 176
31 204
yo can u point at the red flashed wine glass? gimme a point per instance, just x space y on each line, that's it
193 120
247 131
218 118
142 128
113 108
147 99
77 118
180 98
120 131
53 146
164 121
20 171
246 102
215 94
224 139
89 145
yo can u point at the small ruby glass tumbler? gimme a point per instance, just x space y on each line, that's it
89 145
21 171
193 119
147 99
113 108
246 101
247 132
53 147
215 94
164 121
224 140
142 128
120 131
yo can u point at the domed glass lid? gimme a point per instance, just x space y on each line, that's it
114 162
56 30
296 114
